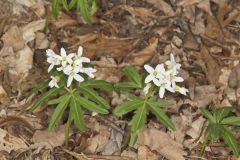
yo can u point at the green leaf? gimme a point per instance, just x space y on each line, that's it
213 131
223 112
91 106
133 139
38 88
83 7
43 98
233 120
230 140
97 84
162 117
57 100
78 113
93 95
55 7
139 119
127 107
131 96
133 74
127 85
208 115
161 104
59 111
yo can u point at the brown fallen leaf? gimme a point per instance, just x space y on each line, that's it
3 95
163 6
144 153
204 95
213 69
162 143
63 21
143 56
55 137
10 143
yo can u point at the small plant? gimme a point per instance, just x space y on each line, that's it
217 127
72 88
87 8
162 80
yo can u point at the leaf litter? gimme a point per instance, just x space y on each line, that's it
203 35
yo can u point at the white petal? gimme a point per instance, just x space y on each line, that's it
78 78
59 69
63 52
172 58
148 68
170 89
148 79
56 85
80 51
146 88
178 79
69 60
160 68
161 92
50 52
50 67
69 81
51 84
168 63
156 82
67 70
85 59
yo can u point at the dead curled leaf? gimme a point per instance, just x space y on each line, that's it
213 69
161 142
163 6
143 56
9 143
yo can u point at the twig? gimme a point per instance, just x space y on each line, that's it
110 124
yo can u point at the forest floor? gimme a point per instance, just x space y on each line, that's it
203 35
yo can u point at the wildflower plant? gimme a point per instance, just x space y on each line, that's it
217 125
157 81
73 85
87 8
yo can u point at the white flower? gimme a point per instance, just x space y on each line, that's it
154 74
73 74
66 58
53 82
89 71
181 90
79 58
53 59
172 65
175 79
146 88
164 84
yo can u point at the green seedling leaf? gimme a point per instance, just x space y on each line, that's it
97 84
91 106
72 4
93 95
162 117
59 111
233 120
38 88
127 85
43 98
222 113
133 139
208 115
127 107
213 131
78 113
65 4
133 74
55 7
83 7
139 119
230 140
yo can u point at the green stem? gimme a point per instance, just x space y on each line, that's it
126 139
67 132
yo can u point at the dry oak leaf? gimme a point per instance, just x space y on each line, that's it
163 6
213 69
143 56
9 142
162 143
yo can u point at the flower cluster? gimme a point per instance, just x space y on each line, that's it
70 64
165 79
